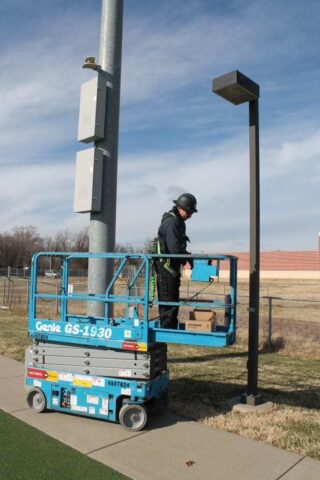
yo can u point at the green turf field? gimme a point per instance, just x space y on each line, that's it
27 453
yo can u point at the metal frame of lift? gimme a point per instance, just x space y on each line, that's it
129 331
100 396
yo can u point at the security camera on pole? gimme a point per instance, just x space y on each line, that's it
96 171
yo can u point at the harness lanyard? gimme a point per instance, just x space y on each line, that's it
167 264
152 286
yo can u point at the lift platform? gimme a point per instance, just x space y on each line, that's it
128 322
114 365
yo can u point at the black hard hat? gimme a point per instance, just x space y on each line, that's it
188 202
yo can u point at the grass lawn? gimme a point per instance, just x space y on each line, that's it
28 453
203 381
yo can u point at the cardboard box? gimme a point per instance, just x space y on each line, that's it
202 314
201 321
220 317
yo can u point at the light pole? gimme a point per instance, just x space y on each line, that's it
237 89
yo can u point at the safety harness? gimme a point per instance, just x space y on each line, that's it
166 261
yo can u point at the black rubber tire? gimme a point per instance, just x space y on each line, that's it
133 417
36 400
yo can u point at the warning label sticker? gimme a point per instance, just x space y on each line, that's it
35 373
65 377
93 399
98 382
103 412
126 391
82 381
125 373
49 375
142 347
52 376
77 408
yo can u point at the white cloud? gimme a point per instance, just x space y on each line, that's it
40 90
217 179
42 194
291 151
159 59
36 194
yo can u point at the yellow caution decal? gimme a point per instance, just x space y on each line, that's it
51 376
82 381
142 347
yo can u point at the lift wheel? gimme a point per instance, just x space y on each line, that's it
133 417
36 400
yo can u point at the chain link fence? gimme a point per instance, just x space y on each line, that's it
284 321
292 323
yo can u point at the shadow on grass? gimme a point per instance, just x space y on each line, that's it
266 348
206 358
220 395
273 346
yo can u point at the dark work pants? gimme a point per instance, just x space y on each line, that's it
168 290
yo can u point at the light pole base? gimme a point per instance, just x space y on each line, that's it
247 408
253 400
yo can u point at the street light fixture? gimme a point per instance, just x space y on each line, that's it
237 89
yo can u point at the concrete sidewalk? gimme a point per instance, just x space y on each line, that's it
171 448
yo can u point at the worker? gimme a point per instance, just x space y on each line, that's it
172 239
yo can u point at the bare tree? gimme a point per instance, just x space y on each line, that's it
62 242
17 247
7 255
81 240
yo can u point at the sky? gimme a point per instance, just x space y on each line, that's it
175 135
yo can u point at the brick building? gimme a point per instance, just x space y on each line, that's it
279 264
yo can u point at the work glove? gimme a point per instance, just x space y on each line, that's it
190 261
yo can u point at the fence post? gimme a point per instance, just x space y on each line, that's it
28 294
58 289
270 324
8 291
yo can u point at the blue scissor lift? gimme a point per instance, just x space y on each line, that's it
114 367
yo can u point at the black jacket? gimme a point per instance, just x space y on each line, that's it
172 236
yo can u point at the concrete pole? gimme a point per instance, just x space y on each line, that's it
102 224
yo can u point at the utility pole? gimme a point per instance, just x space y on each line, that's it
103 223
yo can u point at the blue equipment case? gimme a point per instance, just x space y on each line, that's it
121 397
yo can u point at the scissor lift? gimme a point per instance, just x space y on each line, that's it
114 366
